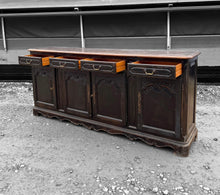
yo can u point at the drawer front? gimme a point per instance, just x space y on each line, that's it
149 70
98 66
29 60
64 63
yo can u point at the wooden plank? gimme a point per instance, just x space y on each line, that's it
165 54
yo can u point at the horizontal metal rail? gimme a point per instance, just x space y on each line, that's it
117 11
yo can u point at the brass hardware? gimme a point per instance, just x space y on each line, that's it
51 88
28 61
93 66
62 64
149 73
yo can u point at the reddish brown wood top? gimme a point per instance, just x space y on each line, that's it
168 54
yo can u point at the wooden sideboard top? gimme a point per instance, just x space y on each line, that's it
168 54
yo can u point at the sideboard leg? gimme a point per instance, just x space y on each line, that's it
35 113
196 137
182 151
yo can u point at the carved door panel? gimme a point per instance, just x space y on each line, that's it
159 105
76 92
44 87
109 98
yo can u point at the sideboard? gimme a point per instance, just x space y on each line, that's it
146 95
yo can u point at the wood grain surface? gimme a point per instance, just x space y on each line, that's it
168 54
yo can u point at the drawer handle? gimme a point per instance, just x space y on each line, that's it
94 68
149 73
62 64
28 61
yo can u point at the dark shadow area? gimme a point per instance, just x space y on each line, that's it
15 73
208 74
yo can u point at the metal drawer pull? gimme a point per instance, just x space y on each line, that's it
28 61
93 66
149 73
62 64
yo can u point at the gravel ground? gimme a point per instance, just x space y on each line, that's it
47 157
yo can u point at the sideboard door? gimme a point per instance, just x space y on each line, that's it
44 87
109 97
77 92
159 106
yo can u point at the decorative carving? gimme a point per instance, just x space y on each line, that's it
29 61
180 148
109 82
139 103
151 71
75 75
159 86
44 72
96 66
73 64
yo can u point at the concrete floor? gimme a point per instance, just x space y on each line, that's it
47 157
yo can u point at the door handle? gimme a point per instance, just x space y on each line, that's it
62 64
94 68
28 61
149 73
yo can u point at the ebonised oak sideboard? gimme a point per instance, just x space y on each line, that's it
147 95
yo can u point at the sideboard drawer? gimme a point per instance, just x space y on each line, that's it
34 60
103 65
65 62
170 70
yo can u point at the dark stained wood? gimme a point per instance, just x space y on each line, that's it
161 54
189 98
30 61
101 65
154 70
158 106
67 63
76 90
132 83
61 95
44 86
158 110
109 98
